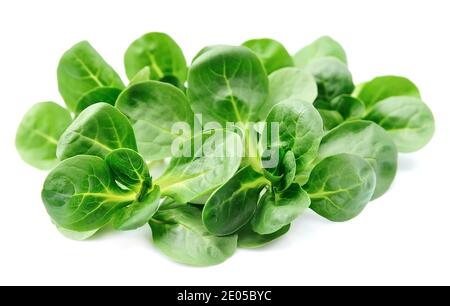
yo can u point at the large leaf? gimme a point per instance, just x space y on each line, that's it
368 140
232 205
227 84
300 130
323 47
384 87
98 130
276 210
407 120
340 186
161 54
80 195
210 160
80 70
38 134
271 52
180 234
154 108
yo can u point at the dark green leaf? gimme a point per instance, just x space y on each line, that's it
101 94
330 118
180 234
276 210
368 140
247 238
340 186
232 205
349 107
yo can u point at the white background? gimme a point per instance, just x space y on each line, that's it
401 238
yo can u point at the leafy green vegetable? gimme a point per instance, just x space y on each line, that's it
98 130
369 141
407 120
272 53
233 204
204 169
384 87
154 108
341 186
139 212
300 130
180 234
330 118
349 107
289 83
161 54
247 238
323 47
39 132
276 210
80 70
100 94
129 169
80 195
332 77
227 84
237 155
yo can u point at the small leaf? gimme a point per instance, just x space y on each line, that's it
180 234
340 186
330 118
143 75
323 47
276 210
232 205
98 130
271 52
248 239
161 54
80 70
38 134
349 107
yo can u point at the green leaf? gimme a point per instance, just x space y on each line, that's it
80 195
330 118
248 239
323 47
38 134
332 77
98 130
349 107
154 108
77 236
82 69
384 87
138 213
129 169
340 186
300 130
101 94
180 234
289 83
276 210
369 141
212 159
143 75
271 52
288 170
161 54
232 205
407 120
227 84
